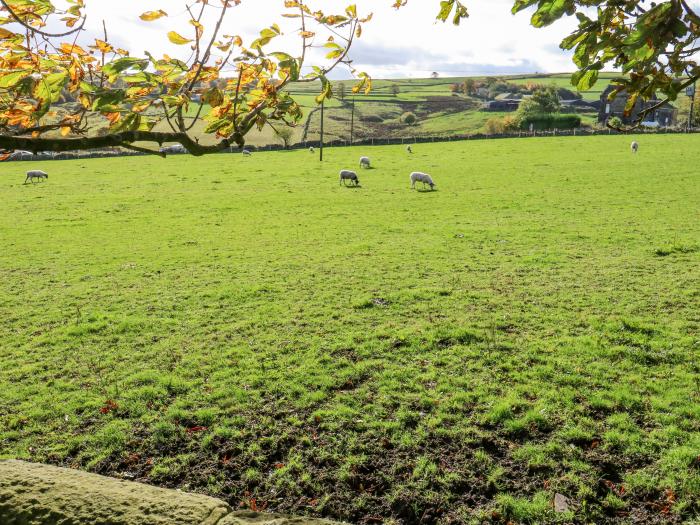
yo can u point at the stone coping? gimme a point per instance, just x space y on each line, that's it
36 494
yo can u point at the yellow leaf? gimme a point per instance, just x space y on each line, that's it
149 16
72 49
102 46
178 39
65 130
4 33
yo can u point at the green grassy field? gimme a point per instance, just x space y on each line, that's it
246 328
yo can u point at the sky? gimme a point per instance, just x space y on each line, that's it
395 44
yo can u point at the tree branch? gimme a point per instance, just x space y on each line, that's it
142 150
19 20
115 140
653 108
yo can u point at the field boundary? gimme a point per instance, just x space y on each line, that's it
374 141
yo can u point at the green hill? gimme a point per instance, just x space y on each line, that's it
439 110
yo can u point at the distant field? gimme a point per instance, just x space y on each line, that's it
246 328
440 112
378 114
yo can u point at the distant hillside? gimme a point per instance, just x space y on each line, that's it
439 110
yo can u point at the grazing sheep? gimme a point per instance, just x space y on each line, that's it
246 152
634 146
311 149
36 174
408 149
346 175
417 176
364 162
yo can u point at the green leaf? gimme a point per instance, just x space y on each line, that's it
11 79
587 80
48 90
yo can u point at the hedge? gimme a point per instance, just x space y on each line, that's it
550 121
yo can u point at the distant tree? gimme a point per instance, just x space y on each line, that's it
395 89
456 88
434 74
542 101
615 122
696 109
285 134
341 91
469 86
409 118
497 126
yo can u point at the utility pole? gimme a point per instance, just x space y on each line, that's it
352 120
690 91
320 148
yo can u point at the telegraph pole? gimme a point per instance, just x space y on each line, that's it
352 120
690 91
320 148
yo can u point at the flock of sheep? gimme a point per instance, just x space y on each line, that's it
416 176
345 175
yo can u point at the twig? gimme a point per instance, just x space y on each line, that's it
19 20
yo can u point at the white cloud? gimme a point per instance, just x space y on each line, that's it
404 43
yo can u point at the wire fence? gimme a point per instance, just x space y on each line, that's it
374 141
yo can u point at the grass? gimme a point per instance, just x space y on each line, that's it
246 328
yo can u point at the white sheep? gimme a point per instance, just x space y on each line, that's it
36 174
634 146
408 149
418 176
364 162
246 152
346 175
311 149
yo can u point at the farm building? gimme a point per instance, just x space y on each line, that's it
501 105
664 116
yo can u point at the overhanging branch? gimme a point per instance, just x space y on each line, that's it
19 20
643 113
10 143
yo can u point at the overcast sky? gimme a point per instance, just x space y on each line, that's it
407 43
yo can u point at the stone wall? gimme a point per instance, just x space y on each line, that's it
34 494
